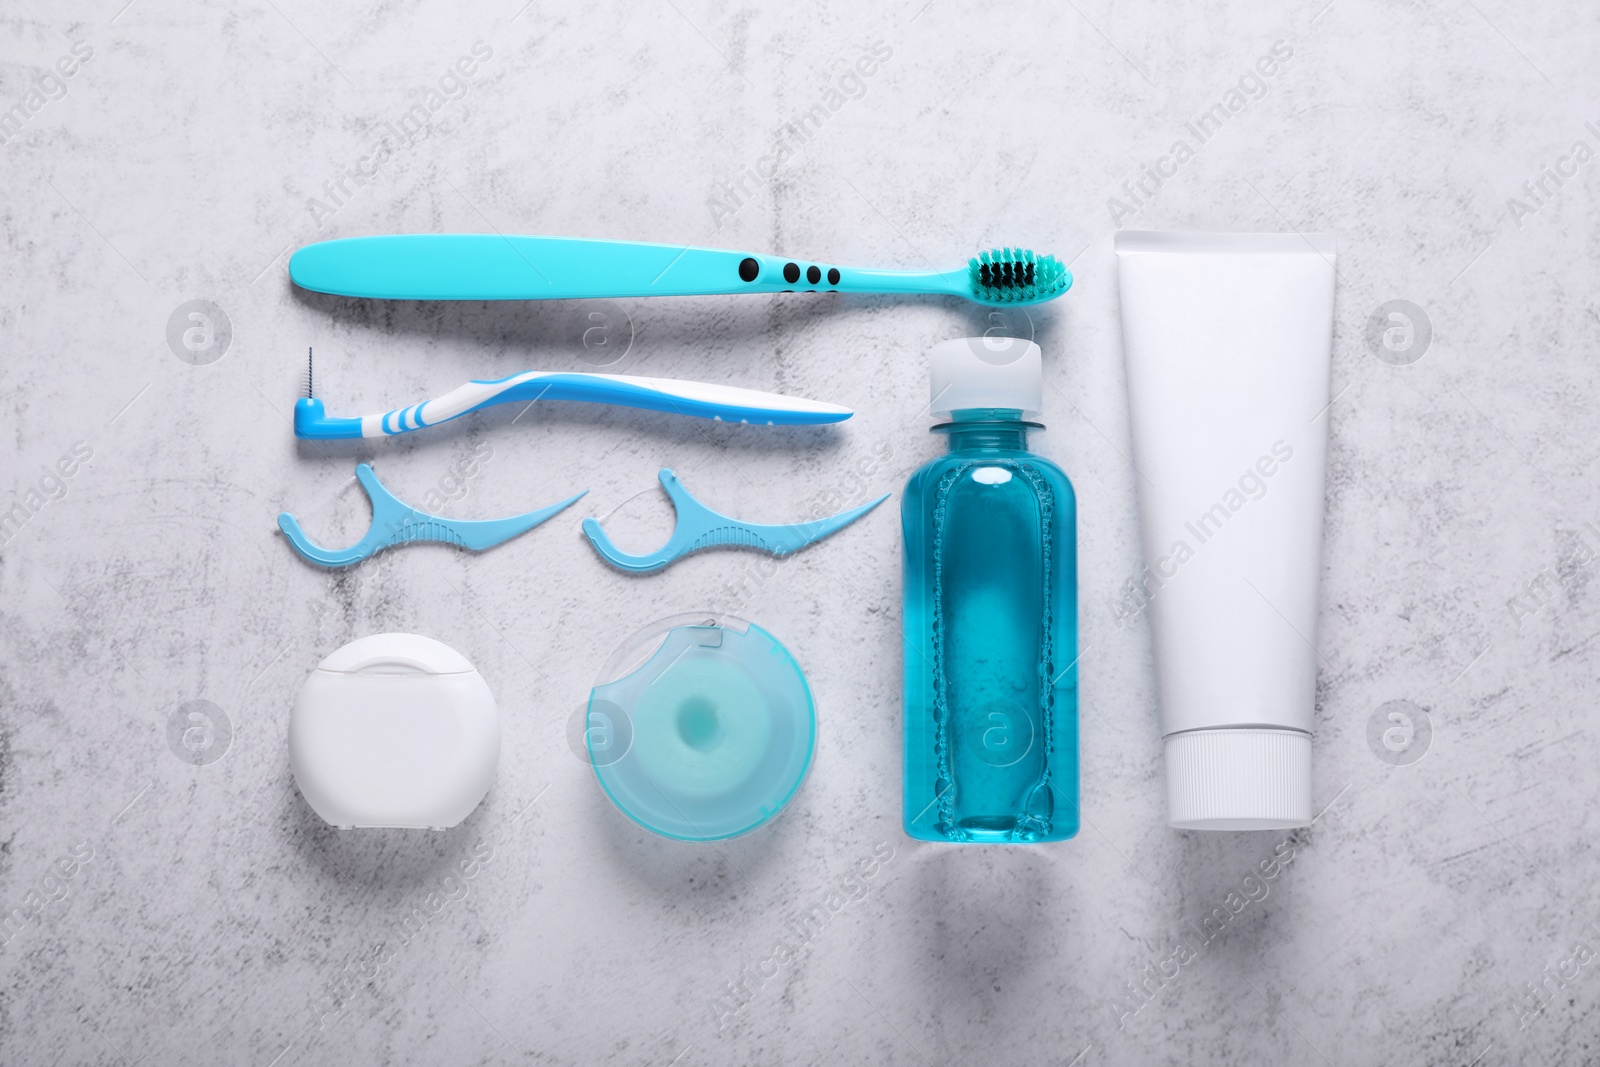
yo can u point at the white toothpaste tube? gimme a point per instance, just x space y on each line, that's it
1227 339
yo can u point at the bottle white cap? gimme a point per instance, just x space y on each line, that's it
1245 778
986 372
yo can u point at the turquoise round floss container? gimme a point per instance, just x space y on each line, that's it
701 727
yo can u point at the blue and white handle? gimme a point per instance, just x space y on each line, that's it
724 403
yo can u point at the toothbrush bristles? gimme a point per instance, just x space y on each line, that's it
1016 276
309 393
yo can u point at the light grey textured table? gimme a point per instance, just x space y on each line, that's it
163 910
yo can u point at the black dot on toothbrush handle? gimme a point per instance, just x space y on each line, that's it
833 275
813 275
791 272
748 269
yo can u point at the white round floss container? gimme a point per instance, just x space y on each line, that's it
394 730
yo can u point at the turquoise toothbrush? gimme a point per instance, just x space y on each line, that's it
492 267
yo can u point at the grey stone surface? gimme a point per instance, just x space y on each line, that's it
183 908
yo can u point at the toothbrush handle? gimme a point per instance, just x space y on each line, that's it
495 267
947 283
706 401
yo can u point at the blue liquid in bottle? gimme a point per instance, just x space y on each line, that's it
991 639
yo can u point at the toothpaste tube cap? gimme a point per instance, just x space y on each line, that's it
973 373
1247 778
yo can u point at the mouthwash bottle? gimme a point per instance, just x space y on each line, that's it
991 612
